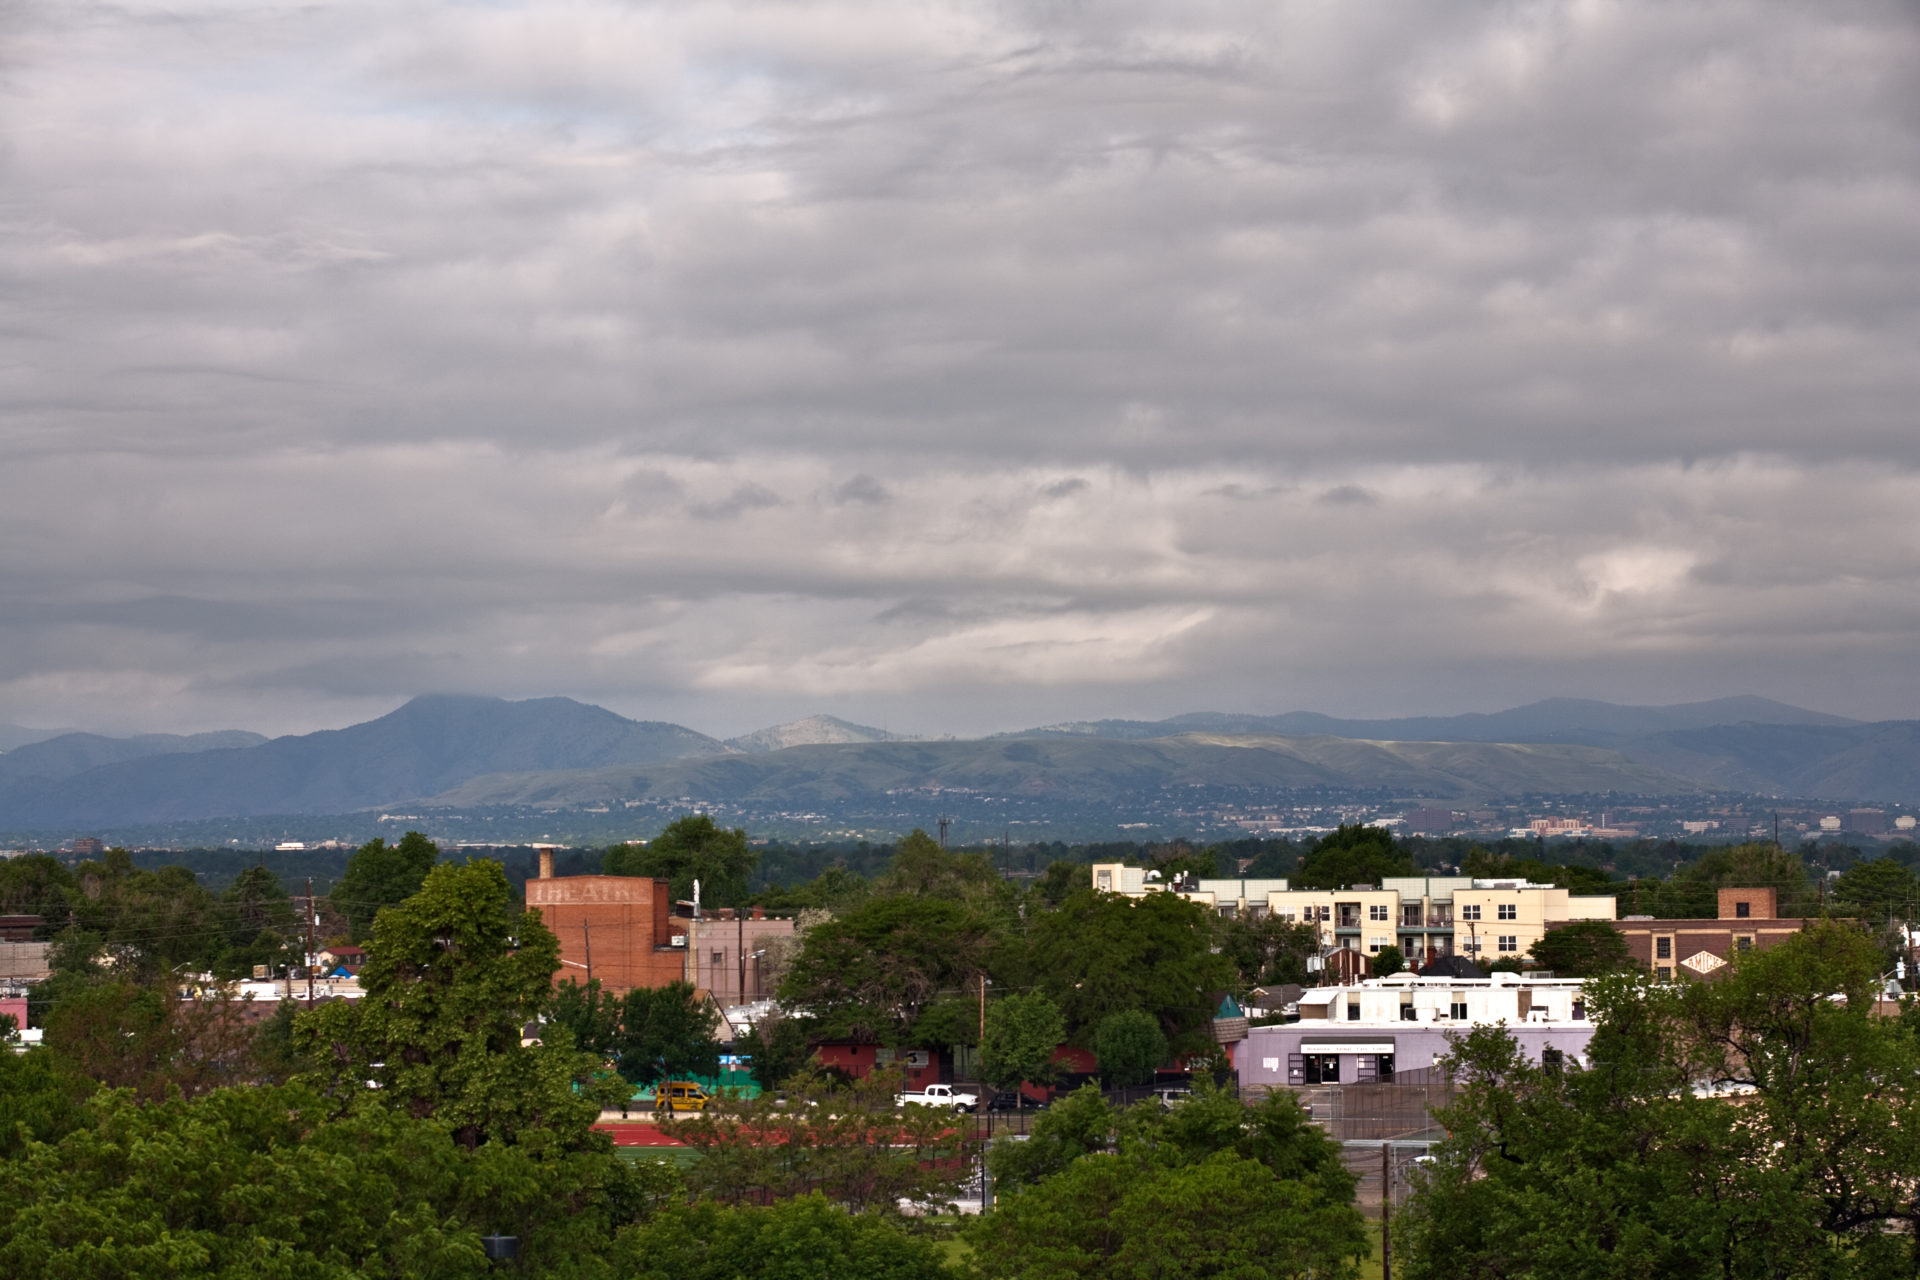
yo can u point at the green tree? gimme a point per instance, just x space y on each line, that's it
1022 1033
1351 855
1386 960
145 1038
776 1049
691 848
146 924
452 979
1763 1123
260 922
381 875
1101 953
35 884
1267 950
666 1033
808 1238
1210 1188
1693 891
1582 949
1876 890
589 1014
1129 1045
250 1182
870 974
40 1099
1059 882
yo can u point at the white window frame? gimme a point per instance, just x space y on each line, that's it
1470 911
1509 942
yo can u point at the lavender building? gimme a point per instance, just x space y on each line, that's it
1386 1028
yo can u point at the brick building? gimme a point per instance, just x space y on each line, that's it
624 931
619 929
1748 921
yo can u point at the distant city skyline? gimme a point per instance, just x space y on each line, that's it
959 368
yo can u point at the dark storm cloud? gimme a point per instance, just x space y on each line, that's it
724 361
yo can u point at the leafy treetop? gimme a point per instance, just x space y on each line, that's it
691 848
1352 855
381 875
452 977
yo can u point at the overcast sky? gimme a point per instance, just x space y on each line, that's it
955 367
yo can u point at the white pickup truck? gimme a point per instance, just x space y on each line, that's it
939 1095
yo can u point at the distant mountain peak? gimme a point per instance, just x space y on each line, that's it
811 732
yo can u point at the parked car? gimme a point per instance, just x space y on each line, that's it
681 1095
939 1095
1013 1100
1172 1095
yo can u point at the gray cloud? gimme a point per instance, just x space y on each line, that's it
862 488
748 497
1346 495
352 350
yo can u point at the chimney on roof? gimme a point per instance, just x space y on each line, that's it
759 913
546 864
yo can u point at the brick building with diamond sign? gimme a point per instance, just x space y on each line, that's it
1701 948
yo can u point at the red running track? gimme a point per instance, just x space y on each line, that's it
639 1135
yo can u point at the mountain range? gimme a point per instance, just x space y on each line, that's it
1574 720
473 751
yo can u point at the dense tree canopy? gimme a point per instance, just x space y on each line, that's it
1210 1188
1351 855
1102 954
808 1238
665 1033
34 884
380 875
1268 949
921 868
1764 1123
1582 949
1023 1030
252 1182
452 978
872 974
1876 890
1693 891
1130 1046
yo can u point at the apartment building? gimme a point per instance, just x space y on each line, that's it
1426 917
1500 919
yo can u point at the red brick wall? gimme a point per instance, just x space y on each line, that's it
1715 937
625 921
860 1060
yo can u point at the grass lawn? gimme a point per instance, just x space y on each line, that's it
680 1157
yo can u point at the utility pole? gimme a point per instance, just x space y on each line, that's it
309 942
586 932
983 1012
945 822
1386 1210
740 922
